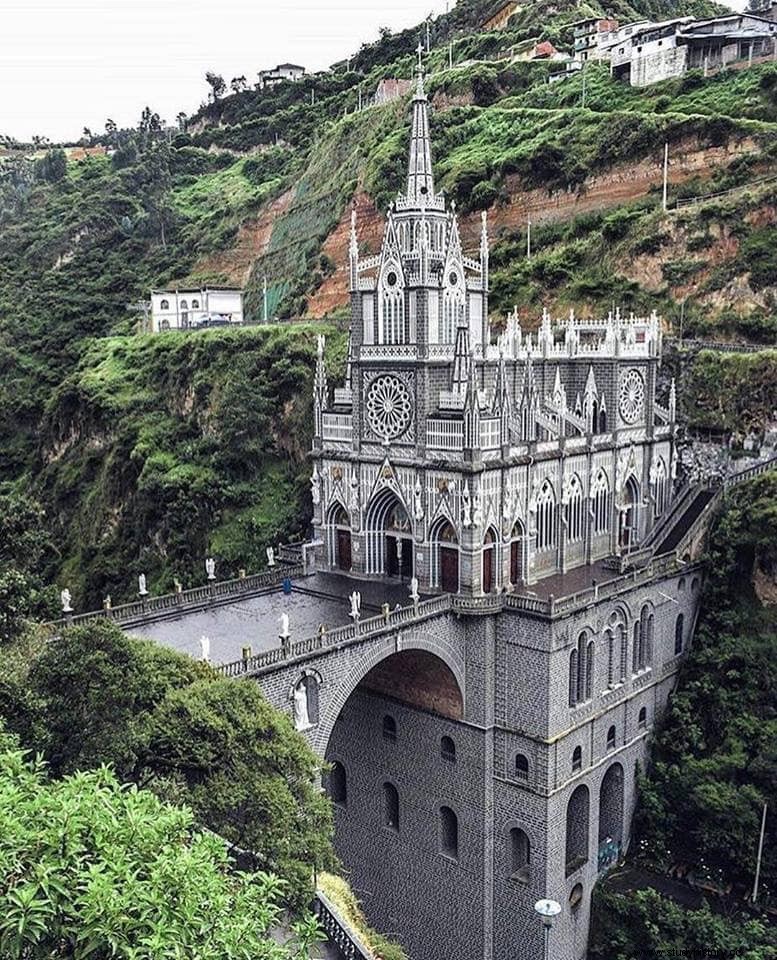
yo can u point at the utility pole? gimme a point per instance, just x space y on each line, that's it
312 96
264 298
528 238
583 72
760 854
428 45
666 175
450 56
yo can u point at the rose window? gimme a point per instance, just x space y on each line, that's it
632 396
389 407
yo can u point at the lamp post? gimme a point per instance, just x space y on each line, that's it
547 910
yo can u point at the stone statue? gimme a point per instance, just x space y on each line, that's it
354 498
315 487
477 512
107 602
356 606
418 502
177 585
205 649
142 585
270 556
320 346
301 714
210 568
65 599
466 506
414 595
284 621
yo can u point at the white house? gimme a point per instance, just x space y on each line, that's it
192 308
284 71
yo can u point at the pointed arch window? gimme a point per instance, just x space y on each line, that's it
600 495
573 511
581 670
392 325
546 517
338 784
662 487
449 833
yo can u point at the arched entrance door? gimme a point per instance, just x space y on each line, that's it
389 538
340 538
629 516
516 554
489 560
445 560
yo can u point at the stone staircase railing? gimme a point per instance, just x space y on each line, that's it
339 931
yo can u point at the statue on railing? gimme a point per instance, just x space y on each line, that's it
142 590
414 595
466 506
283 636
270 556
65 599
205 649
356 606
210 568
315 487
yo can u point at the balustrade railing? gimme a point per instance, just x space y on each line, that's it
444 434
337 427
215 592
350 633
339 931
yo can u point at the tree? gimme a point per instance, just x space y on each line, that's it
26 550
180 119
247 775
216 84
52 167
91 869
238 84
172 724
95 689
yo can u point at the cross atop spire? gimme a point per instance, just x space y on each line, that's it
420 182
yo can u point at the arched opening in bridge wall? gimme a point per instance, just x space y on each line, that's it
412 826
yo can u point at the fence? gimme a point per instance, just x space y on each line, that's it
174 604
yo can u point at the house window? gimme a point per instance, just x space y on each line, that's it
519 854
642 721
449 833
164 305
448 749
521 767
577 758
389 728
611 738
390 807
338 784
195 304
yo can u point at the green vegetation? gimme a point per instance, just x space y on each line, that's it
733 391
344 899
172 725
89 868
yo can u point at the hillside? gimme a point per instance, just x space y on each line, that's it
148 453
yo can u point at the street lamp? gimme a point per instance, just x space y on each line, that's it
548 910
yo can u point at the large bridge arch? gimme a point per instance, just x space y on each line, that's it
376 654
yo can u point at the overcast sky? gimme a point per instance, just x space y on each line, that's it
67 64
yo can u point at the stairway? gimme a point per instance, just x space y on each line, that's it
685 520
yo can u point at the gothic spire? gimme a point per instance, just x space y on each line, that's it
420 183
